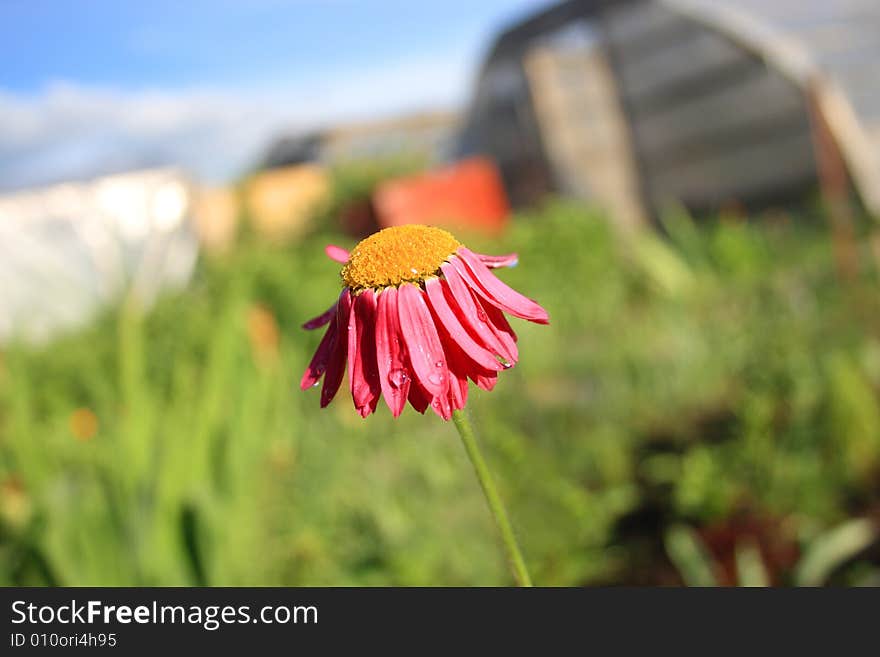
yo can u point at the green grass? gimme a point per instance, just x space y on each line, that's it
702 398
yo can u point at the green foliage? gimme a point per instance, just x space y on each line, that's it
685 382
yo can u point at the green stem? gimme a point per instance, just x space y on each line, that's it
514 556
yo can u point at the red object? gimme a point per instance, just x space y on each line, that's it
420 339
467 195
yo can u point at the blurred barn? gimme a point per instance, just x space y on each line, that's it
428 134
292 180
638 103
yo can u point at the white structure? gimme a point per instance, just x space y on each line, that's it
69 249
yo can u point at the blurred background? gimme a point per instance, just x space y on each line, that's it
692 186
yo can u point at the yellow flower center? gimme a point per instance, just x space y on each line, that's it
400 254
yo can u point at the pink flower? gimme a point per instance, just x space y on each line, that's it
418 316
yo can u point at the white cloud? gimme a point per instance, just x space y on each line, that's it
72 131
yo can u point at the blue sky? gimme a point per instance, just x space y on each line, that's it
98 85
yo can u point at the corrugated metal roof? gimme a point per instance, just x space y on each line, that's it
833 44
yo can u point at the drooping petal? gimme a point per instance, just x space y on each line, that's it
461 398
363 373
464 368
336 253
422 341
418 398
499 325
394 376
494 262
458 392
318 365
494 290
442 405
471 313
320 320
486 381
339 350
459 366
499 321
451 323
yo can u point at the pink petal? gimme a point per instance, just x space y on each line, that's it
422 341
318 366
442 406
321 319
394 376
461 397
418 398
493 262
339 350
471 313
363 373
336 253
493 290
452 324
501 328
459 365
486 381
463 368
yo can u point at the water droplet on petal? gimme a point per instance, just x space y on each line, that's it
436 378
436 402
481 315
438 363
316 384
397 377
